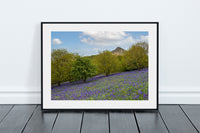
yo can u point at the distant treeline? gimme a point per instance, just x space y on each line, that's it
71 67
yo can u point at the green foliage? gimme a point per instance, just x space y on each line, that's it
144 45
120 65
70 67
106 62
61 64
82 69
136 57
91 57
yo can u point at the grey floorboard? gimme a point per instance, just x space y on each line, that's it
68 122
16 119
122 122
95 122
30 119
40 122
4 109
150 122
193 112
175 119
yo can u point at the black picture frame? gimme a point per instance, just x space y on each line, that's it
42 66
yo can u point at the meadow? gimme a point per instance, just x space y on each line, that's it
130 85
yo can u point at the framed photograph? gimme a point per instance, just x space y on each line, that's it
99 65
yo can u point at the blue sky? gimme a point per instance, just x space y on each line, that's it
90 42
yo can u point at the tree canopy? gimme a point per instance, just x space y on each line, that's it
82 69
136 57
61 63
106 62
69 67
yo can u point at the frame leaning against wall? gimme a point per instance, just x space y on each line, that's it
59 106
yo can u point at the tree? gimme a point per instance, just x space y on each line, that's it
68 61
136 57
82 69
106 62
61 64
143 45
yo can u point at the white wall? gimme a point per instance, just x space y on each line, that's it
20 41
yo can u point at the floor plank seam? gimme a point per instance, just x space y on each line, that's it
7 113
54 121
185 114
29 119
109 121
81 122
164 122
189 118
136 122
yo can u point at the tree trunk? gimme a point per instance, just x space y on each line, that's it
84 78
70 79
139 68
58 83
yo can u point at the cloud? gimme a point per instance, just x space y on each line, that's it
144 38
56 41
109 38
106 35
88 51
106 38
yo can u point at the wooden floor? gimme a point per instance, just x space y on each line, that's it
169 118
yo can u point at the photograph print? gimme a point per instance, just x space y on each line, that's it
99 66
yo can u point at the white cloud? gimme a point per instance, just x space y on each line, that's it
87 51
106 38
109 38
106 35
56 41
144 38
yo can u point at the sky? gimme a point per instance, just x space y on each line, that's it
88 43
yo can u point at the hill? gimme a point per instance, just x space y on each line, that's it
118 51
